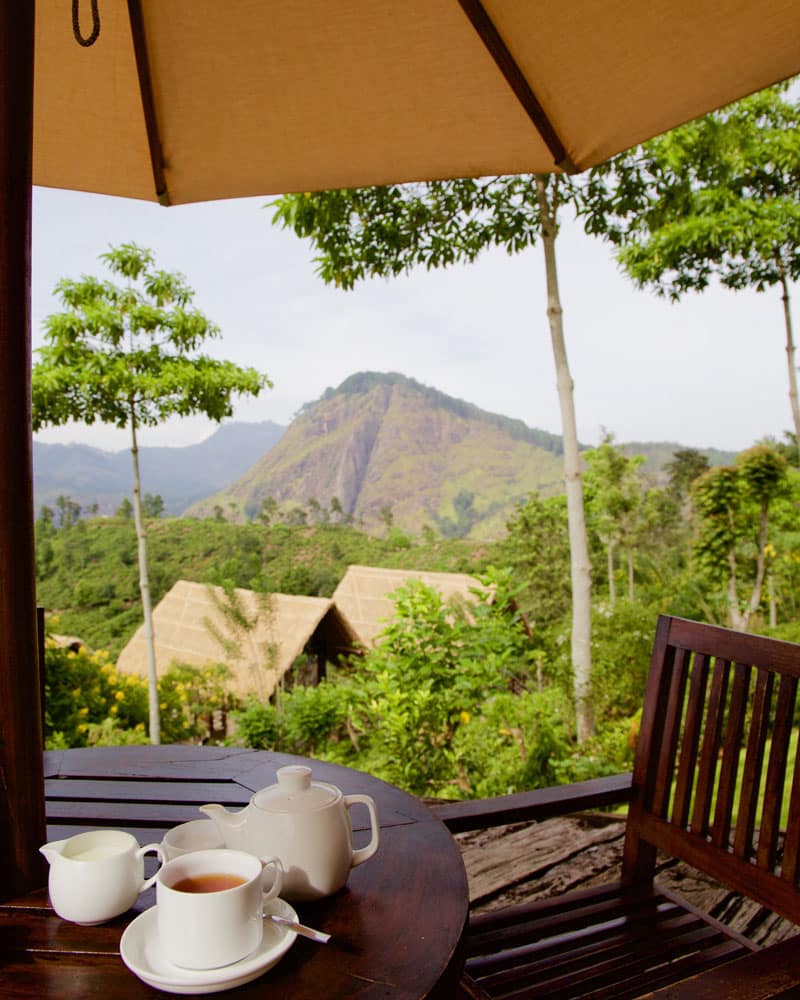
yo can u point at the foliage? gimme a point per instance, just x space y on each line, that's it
614 494
717 197
385 231
686 465
515 742
622 639
82 688
200 692
733 504
122 354
397 713
88 702
536 551
127 355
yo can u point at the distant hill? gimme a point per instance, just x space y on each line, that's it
379 443
385 442
180 475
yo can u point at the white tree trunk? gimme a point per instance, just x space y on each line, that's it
578 545
790 356
144 589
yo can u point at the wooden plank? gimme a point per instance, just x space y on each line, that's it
728 644
790 862
731 749
543 803
525 853
766 853
753 765
183 792
712 736
742 876
771 972
638 858
687 765
665 767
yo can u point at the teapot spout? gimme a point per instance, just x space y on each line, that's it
53 850
230 824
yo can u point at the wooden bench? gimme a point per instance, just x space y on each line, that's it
713 759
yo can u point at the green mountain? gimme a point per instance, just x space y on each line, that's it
385 443
180 475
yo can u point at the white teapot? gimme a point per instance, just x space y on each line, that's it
307 825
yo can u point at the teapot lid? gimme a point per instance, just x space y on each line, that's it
295 792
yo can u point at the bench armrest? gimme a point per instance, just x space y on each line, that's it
542 803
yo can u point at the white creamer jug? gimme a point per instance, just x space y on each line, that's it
97 875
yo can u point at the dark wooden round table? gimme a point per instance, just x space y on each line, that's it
396 925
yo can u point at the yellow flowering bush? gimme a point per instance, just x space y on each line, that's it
89 702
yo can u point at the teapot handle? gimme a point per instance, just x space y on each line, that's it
363 853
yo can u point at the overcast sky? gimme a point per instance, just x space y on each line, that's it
707 372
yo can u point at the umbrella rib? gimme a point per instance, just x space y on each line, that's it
515 78
148 104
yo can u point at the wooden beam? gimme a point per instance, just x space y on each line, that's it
22 819
148 101
507 65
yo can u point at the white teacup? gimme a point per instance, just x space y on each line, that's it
211 906
97 875
196 835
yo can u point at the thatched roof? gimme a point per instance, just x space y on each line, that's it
188 616
363 594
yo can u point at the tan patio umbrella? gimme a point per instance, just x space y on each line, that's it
191 100
187 100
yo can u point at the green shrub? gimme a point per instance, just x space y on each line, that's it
83 688
514 743
89 702
257 726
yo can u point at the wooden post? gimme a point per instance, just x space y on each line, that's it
22 822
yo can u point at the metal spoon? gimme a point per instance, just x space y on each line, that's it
319 936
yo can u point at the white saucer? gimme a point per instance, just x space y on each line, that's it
141 952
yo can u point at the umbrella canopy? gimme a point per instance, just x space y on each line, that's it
191 100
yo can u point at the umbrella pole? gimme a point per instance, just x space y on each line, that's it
22 818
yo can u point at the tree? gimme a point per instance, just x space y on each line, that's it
384 231
69 512
614 492
269 508
125 509
536 549
683 468
733 504
127 355
716 197
152 505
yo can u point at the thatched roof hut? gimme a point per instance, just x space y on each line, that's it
191 625
362 596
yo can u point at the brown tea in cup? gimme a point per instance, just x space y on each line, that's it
211 882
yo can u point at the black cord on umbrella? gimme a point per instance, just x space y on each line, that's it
76 24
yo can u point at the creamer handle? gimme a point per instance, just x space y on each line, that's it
157 849
363 853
